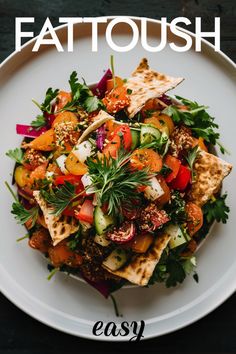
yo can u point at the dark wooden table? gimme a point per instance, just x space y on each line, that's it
216 333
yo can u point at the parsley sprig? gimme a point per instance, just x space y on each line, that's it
191 157
113 180
39 122
216 209
61 197
81 96
197 118
176 208
22 215
46 105
16 155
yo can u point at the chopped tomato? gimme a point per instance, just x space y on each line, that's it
142 242
195 217
164 198
40 240
69 211
182 179
167 120
38 173
116 99
61 254
73 179
110 83
201 143
63 98
151 106
121 136
174 164
86 212
142 158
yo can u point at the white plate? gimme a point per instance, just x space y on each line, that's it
73 306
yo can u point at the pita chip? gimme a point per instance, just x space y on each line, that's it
209 171
140 268
59 227
146 84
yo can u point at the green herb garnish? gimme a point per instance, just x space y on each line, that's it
61 197
46 106
191 157
16 154
39 122
176 208
197 118
82 96
21 214
216 209
114 182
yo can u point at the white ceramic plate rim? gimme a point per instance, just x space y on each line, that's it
207 302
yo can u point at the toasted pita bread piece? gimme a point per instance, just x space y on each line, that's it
101 118
145 84
141 267
210 171
59 227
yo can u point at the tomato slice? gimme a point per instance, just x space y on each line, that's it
121 136
86 212
182 179
149 158
174 164
116 99
195 217
73 179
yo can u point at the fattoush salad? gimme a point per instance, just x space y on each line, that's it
119 182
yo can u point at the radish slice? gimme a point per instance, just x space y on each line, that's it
28 131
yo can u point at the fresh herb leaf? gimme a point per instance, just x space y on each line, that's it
46 106
22 215
216 209
191 157
176 273
16 154
113 180
82 96
195 117
176 208
39 122
129 91
92 103
61 197
74 242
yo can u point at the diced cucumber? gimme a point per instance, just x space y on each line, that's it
102 240
177 236
149 133
116 259
135 138
101 220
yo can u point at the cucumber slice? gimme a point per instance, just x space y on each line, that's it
149 133
116 259
135 138
102 240
177 236
101 220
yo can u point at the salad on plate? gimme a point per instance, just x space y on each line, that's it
119 182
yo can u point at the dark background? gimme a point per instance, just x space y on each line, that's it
216 333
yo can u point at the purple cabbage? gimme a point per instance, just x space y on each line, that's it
100 138
100 89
